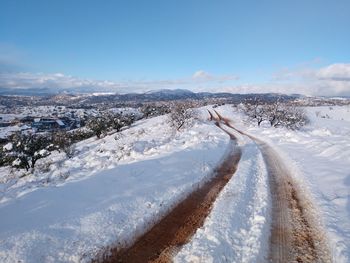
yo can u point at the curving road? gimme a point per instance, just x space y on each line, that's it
295 233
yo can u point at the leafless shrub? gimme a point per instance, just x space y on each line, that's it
152 110
294 117
98 125
255 109
182 114
63 141
278 114
101 125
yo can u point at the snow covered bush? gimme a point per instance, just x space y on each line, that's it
276 113
294 117
80 134
101 125
255 110
117 121
63 141
182 114
98 125
5 159
153 110
27 149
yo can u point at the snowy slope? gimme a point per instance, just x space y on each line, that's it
115 188
319 155
147 139
107 199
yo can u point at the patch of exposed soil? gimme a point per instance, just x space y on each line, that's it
295 236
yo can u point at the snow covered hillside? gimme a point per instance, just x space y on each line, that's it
319 155
115 188
110 191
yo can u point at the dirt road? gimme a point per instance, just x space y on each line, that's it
161 242
295 234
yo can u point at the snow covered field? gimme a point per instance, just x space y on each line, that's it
113 189
319 154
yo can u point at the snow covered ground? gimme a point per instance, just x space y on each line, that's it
319 155
237 229
116 187
110 192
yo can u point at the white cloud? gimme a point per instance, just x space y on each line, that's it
339 72
57 81
332 80
203 76
53 82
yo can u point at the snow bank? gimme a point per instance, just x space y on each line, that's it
145 140
108 199
237 229
320 153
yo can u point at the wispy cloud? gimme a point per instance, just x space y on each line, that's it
58 82
331 80
53 82
203 76
337 72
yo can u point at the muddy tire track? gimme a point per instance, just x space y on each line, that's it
295 236
295 232
164 239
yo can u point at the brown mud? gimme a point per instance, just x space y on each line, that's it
164 239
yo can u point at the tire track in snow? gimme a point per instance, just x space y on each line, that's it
167 236
295 235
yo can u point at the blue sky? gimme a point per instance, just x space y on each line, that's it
190 44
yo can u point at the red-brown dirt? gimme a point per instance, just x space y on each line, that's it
164 239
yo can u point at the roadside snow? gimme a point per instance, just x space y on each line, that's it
146 140
8 147
320 157
237 229
116 190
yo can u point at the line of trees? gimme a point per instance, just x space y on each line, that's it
101 125
276 113
24 149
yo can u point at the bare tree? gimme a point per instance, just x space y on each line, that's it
98 125
273 112
255 109
63 142
5 158
117 121
107 121
181 114
152 110
276 113
294 117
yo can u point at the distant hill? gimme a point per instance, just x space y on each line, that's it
105 99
